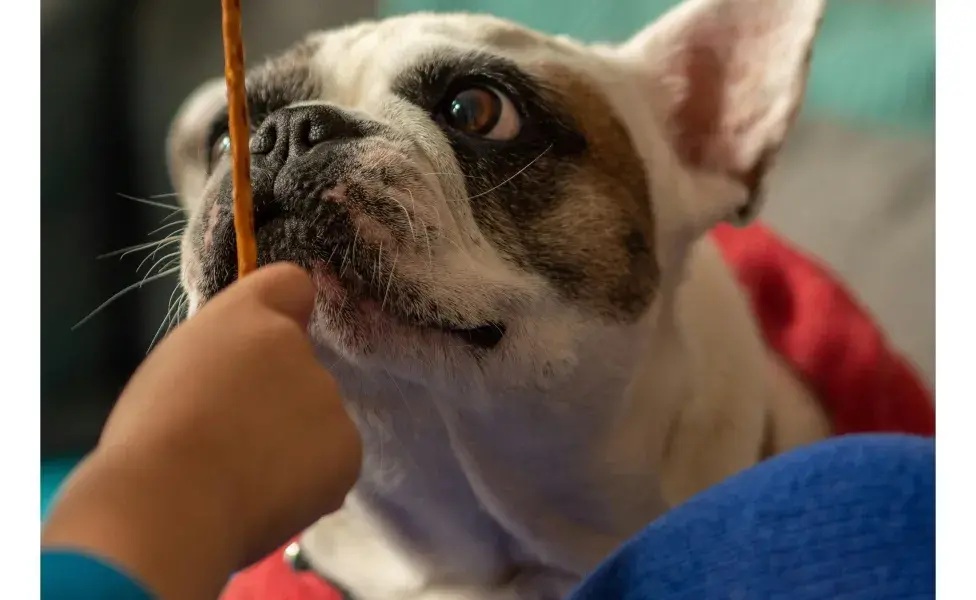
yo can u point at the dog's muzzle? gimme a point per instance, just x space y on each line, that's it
297 155
301 157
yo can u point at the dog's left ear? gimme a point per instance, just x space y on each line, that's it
725 79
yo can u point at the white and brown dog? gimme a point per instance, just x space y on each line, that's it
540 347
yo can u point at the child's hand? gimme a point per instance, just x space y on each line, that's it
228 440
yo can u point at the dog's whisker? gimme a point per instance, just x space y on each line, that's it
423 224
517 173
389 282
328 261
406 213
178 313
173 215
355 239
345 256
166 318
122 252
463 175
168 242
168 226
147 202
176 317
123 292
376 268
176 236
156 264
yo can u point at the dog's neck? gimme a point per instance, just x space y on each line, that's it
617 404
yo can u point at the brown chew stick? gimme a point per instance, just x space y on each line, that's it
240 134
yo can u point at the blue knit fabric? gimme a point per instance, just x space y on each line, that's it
849 519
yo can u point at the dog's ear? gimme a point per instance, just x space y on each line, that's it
186 151
725 79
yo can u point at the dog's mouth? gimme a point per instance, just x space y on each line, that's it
325 246
485 336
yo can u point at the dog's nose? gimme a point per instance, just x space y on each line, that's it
290 133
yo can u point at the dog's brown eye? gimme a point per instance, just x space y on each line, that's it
483 112
219 149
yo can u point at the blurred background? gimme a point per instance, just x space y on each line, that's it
855 184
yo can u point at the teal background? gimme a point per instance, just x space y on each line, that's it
52 473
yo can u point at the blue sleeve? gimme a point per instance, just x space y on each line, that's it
70 575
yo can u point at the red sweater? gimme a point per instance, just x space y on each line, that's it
807 316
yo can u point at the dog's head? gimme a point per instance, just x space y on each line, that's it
469 192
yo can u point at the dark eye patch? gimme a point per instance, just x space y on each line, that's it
442 74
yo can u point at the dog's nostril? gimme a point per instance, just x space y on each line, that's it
309 132
264 140
292 132
316 133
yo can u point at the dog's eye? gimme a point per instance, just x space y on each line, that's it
482 112
220 147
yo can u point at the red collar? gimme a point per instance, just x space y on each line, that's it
807 316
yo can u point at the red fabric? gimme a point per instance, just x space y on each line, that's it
807 316
274 579
829 340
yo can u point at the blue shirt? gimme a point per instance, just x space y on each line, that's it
71 575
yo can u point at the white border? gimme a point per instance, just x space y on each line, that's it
19 245
955 307
20 297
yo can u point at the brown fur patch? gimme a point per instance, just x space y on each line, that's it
606 223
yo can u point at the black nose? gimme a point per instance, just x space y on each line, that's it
290 133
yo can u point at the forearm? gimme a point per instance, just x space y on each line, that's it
126 515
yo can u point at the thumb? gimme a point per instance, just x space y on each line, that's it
285 288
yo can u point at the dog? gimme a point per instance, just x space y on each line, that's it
507 230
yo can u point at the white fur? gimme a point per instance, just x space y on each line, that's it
513 477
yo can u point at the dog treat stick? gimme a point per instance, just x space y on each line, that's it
247 249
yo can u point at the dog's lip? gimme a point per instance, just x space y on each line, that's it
486 335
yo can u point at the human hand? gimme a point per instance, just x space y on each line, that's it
229 439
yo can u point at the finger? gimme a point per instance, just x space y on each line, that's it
283 287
